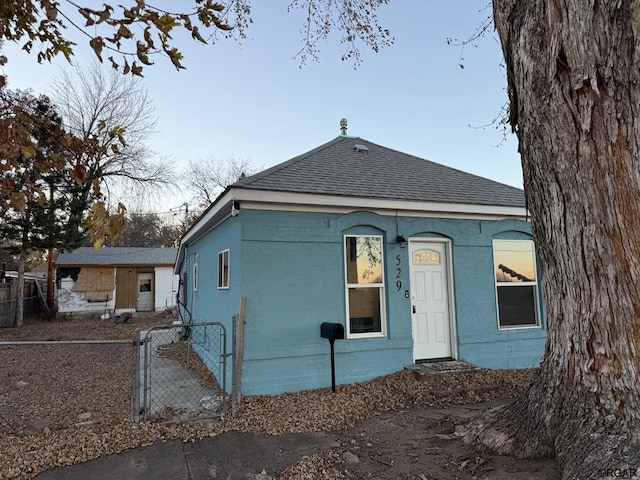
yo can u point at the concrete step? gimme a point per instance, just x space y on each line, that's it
423 370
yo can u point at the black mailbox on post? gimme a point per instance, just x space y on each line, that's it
332 332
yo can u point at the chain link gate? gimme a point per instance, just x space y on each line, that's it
180 372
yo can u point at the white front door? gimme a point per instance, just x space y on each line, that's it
430 300
145 292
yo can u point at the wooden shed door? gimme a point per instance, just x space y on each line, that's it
126 287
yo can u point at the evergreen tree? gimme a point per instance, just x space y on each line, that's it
38 209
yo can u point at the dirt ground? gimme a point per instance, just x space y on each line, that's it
65 405
419 443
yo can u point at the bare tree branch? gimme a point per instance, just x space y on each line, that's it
356 20
206 178
95 103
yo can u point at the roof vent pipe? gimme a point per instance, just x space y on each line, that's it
343 126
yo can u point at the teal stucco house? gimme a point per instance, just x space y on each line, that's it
416 260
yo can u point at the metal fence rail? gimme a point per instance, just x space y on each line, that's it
180 373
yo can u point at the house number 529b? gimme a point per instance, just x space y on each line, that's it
398 274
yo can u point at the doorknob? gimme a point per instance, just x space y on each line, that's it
414 309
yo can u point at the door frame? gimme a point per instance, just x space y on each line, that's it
153 289
453 333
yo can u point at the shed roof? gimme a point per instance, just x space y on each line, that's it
356 167
87 256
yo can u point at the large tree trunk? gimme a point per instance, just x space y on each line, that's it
573 68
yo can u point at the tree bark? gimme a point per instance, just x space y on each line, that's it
22 262
50 281
572 70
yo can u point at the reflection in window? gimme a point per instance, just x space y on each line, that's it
364 285
516 283
144 285
195 277
223 269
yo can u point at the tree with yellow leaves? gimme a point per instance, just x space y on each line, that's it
39 181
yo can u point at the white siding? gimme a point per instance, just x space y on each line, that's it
166 288
74 302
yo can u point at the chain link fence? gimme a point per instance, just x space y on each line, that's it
180 373
170 373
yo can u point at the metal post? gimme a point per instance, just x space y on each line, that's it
147 375
136 408
333 368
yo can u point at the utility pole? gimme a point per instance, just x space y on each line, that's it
186 216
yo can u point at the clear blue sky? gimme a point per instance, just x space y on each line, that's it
253 101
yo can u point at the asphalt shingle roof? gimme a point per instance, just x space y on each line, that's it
339 168
118 256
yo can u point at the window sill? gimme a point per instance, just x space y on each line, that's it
520 327
356 336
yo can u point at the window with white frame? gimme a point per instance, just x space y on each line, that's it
223 269
516 283
195 277
364 280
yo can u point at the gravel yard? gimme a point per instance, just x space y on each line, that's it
61 405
